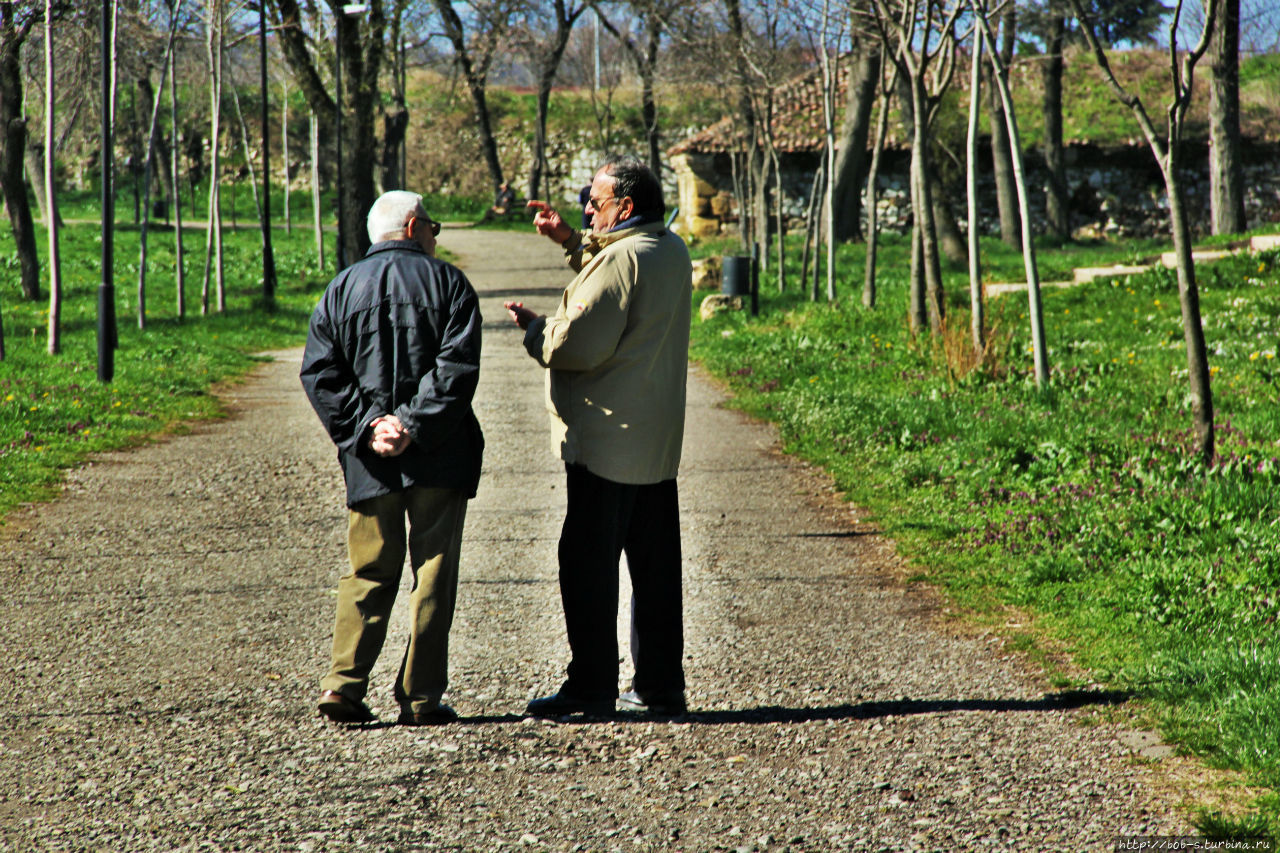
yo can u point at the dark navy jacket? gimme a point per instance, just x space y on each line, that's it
398 333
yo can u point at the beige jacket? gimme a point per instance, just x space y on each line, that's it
617 350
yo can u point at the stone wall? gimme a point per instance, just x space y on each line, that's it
1117 192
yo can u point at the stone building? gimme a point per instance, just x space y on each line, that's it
1114 189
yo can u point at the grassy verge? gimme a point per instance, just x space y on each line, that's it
1075 508
54 411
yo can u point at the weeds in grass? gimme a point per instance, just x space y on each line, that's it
54 411
1083 505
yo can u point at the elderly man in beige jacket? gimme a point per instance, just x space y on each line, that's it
617 354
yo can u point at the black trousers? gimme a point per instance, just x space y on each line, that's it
603 520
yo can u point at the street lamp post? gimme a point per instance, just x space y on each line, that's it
107 286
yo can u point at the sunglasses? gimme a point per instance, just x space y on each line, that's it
435 226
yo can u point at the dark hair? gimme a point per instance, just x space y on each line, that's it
633 178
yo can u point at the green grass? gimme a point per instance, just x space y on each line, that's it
1077 507
53 409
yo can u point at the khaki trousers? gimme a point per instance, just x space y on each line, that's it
376 549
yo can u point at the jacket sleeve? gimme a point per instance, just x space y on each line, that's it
332 387
586 330
444 395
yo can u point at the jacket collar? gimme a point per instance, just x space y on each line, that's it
388 245
652 227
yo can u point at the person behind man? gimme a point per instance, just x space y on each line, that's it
503 199
617 352
391 365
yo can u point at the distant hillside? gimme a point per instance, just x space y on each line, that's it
1091 113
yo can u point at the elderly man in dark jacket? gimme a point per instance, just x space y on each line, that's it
391 365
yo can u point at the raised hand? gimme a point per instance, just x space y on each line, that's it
548 221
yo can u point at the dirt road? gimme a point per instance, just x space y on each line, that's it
167 621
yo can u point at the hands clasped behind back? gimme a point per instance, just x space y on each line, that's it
390 438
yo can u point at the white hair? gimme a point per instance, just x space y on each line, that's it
391 212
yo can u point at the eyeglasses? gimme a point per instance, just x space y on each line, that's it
435 226
598 204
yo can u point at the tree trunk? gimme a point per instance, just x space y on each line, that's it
1056 202
565 17
864 78
1168 155
213 224
977 330
926 221
395 124
13 146
1226 173
873 175
781 224
51 199
34 165
1001 156
477 79
648 100
315 189
811 221
360 60
150 96
1189 302
539 163
175 194
284 150
1035 315
950 241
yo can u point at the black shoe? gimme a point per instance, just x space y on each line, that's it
564 704
343 709
437 716
657 705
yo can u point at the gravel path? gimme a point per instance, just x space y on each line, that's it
167 622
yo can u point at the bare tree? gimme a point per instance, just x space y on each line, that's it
1001 155
180 305
649 17
1035 314
873 175
925 46
474 56
359 47
1057 213
829 142
547 49
1167 150
16 23
150 167
851 157
214 24
977 325
314 125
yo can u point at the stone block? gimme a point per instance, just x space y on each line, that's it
706 274
721 204
717 303
701 226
